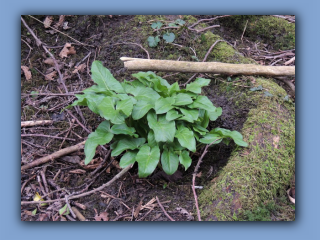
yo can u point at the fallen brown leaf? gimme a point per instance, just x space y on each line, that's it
199 174
60 22
67 50
50 76
47 22
79 68
26 72
49 61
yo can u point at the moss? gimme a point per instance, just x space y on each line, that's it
260 173
275 31
222 52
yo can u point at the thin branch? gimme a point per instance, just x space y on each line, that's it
48 136
164 211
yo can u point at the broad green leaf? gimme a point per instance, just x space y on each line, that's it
103 77
98 89
185 159
146 94
125 106
107 110
186 138
151 139
163 130
128 158
196 86
123 129
169 161
169 37
174 88
101 136
235 135
213 115
182 99
127 143
172 115
172 25
141 109
148 159
189 115
203 102
156 25
210 138
153 41
163 105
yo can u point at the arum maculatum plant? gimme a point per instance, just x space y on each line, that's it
150 121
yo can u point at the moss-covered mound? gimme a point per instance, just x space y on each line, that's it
255 178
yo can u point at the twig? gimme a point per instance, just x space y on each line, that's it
86 129
35 123
164 211
62 33
48 136
52 94
44 180
30 48
290 61
68 204
245 27
134 44
25 183
210 19
204 29
204 59
53 156
194 177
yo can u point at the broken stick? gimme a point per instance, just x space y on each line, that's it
137 64
53 156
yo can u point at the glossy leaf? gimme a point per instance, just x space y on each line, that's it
203 102
210 138
141 109
169 161
127 143
182 99
196 86
103 77
163 130
190 115
148 159
186 138
185 159
163 105
128 158
123 129
172 115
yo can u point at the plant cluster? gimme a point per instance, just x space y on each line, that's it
168 36
150 121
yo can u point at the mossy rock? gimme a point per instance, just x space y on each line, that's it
256 177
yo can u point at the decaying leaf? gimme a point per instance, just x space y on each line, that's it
26 72
102 217
79 68
92 165
60 22
276 141
51 76
49 61
47 22
185 213
67 50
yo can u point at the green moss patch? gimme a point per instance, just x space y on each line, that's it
257 176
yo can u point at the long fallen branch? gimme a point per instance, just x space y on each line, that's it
35 123
53 156
137 64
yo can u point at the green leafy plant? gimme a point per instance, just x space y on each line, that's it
150 121
168 37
